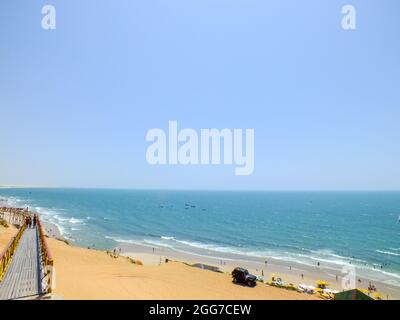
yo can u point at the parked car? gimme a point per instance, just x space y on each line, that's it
241 275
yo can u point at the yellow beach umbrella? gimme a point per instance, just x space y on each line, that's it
322 284
378 295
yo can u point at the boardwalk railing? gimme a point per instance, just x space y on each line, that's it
14 215
47 258
7 254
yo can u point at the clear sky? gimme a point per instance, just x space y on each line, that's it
76 103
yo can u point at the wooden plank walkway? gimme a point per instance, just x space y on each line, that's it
22 278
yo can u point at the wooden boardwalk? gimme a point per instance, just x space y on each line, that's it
22 278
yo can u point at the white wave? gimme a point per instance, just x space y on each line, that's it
47 212
389 253
336 258
75 221
60 218
116 239
61 230
157 243
167 238
17 202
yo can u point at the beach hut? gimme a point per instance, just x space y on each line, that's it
353 294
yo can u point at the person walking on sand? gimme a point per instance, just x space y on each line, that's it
302 276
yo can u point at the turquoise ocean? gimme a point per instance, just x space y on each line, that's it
333 228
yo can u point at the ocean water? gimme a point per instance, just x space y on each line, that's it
333 228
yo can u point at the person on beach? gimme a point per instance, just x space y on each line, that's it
27 221
302 276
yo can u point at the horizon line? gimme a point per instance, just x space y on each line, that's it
192 189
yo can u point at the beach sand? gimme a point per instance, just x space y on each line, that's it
6 235
91 274
289 272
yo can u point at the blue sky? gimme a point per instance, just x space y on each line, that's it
77 102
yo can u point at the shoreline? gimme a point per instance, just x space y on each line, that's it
290 272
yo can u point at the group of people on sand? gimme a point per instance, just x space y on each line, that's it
31 221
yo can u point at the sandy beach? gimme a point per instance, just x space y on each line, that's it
289 272
6 235
91 274
83 273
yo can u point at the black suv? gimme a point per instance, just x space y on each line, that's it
241 275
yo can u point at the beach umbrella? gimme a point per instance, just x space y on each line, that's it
326 296
322 284
378 295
